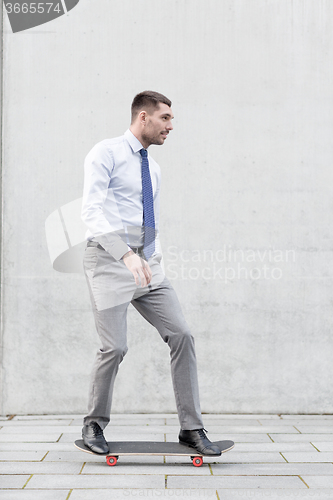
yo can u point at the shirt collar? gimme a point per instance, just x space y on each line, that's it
133 141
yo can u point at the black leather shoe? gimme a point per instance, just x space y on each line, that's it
94 439
198 440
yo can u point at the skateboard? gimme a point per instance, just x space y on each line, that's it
157 448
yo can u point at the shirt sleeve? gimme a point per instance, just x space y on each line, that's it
98 168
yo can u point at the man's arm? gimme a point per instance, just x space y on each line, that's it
98 168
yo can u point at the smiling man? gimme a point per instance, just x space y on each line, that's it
122 266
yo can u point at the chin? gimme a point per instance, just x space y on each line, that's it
159 142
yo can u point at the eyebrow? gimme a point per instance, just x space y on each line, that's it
168 114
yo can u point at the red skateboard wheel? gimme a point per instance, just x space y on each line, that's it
197 461
111 460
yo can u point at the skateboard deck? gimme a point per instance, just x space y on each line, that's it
157 448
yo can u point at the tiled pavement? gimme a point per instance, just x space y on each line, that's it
275 457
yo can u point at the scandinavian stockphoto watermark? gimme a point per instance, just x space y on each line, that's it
25 14
66 241
170 493
196 493
227 263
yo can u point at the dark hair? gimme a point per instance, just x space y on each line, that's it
149 100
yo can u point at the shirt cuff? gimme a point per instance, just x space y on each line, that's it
113 244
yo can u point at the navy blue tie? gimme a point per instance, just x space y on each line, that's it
148 207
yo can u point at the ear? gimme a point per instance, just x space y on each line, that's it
143 117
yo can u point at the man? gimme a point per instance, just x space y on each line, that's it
122 266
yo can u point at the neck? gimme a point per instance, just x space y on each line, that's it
139 137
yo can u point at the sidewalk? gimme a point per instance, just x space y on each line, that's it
275 457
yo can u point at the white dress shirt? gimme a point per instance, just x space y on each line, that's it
112 195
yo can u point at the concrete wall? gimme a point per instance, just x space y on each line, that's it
247 206
1 109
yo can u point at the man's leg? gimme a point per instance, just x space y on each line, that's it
111 325
161 308
111 287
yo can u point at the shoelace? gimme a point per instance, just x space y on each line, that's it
96 429
202 433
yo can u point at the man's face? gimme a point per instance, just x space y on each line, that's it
158 124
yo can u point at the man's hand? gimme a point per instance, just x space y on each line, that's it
138 267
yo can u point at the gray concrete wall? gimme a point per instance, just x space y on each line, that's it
1 108
246 222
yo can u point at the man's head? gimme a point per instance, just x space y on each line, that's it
151 117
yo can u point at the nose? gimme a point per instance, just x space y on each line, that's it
169 126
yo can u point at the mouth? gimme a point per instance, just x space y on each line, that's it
165 134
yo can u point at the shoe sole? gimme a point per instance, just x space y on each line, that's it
198 451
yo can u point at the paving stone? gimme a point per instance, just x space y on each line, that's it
279 447
35 429
72 456
315 429
219 421
251 429
237 438
319 482
40 468
34 494
298 438
139 420
69 438
48 417
309 457
24 423
117 494
29 438
285 469
240 416
132 423
307 417
234 457
246 429
111 430
21 455
143 415
100 481
230 422
185 468
37 446
13 481
269 494
323 446
298 422
203 482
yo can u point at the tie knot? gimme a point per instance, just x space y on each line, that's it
144 153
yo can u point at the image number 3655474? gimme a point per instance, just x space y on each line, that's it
25 14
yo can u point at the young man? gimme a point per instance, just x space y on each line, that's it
122 266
